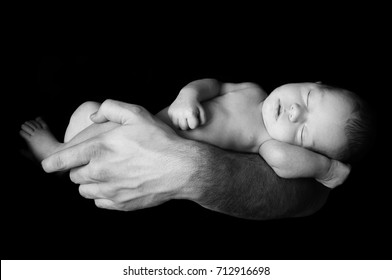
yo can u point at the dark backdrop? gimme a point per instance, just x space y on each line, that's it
43 216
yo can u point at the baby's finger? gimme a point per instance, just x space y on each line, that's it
176 122
193 122
202 116
183 124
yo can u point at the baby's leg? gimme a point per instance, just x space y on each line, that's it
43 143
80 119
81 127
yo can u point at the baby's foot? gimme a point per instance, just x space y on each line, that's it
39 138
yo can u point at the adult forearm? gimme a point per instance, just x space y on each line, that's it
143 163
243 185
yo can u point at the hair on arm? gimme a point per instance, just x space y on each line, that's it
243 185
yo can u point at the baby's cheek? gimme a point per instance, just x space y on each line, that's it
284 134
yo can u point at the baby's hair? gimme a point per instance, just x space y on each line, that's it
359 127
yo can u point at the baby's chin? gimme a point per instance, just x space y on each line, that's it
267 116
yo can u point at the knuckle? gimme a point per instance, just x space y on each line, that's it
88 106
120 205
58 163
96 149
95 174
108 102
110 192
136 109
99 174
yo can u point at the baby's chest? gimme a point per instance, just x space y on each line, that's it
232 123
239 111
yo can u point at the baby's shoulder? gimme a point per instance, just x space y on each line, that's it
249 91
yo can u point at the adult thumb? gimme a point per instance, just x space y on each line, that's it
115 111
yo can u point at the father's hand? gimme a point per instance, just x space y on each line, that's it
130 167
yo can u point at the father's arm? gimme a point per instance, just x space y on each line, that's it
245 186
143 163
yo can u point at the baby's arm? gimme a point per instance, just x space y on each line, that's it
186 112
289 161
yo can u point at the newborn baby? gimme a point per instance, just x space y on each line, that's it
301 130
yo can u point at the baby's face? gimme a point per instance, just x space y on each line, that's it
307 115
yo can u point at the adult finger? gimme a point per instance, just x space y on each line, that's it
90 173
71 157
82 175
92 191
116 111
106 204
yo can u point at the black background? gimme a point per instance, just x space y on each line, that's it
44 217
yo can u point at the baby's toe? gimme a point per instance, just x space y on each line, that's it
27 128
24 134
32 124
42 123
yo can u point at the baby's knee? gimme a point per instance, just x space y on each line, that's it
80 119
85 110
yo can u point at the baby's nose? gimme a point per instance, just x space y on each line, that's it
295 112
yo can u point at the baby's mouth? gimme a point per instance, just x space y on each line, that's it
278 110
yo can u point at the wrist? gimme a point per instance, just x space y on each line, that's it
188 93
190 166
334 177
325 169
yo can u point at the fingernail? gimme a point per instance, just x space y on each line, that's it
93 115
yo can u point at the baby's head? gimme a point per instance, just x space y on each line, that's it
328 120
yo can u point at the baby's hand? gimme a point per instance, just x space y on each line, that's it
186 113
337 174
